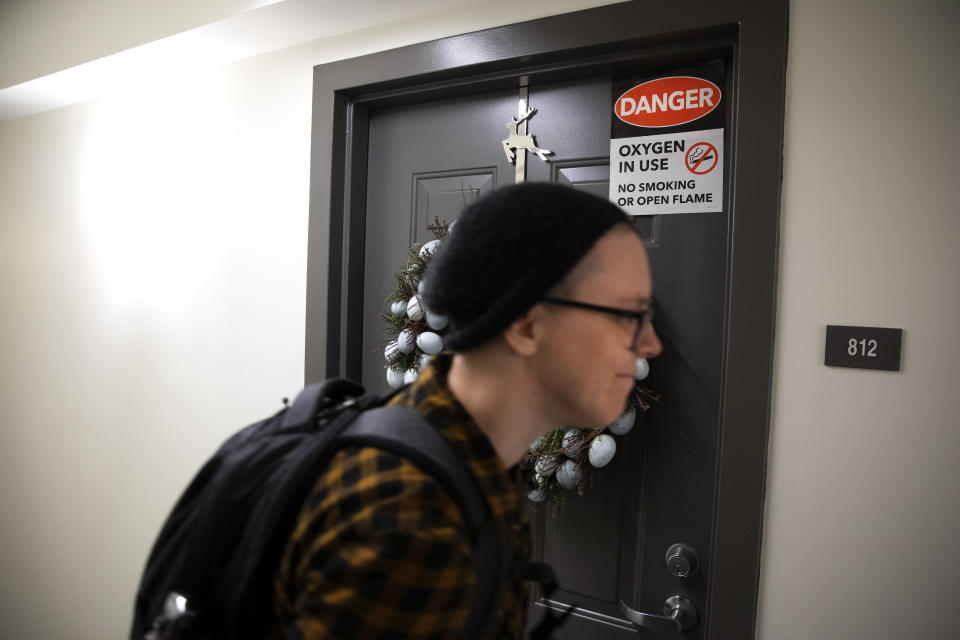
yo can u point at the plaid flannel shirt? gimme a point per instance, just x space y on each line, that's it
381 551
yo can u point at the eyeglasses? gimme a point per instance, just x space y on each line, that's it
643 318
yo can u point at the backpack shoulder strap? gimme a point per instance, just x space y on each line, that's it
403 431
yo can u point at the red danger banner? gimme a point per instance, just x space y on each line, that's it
667 102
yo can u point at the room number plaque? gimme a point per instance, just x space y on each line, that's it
863 347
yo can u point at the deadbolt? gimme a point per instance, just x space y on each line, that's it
682 561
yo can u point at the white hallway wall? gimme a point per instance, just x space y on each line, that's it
130 347
862 507
153 250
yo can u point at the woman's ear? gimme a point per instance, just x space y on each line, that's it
524 334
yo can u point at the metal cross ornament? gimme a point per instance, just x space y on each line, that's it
516 145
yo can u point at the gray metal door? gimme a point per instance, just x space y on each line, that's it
609 545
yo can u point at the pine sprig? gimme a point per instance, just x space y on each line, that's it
440 228
416 265
394 322
554 492
404 284
642 398
401 362
578 447
553 443
398 290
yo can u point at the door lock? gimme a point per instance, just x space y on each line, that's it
682 560
679 614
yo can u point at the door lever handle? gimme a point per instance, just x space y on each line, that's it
679 614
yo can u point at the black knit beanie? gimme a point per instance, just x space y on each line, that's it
506 251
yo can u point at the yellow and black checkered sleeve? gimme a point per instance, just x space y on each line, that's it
379 551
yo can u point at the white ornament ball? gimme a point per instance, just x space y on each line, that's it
390 350
409 376
624 423
424 360
406 341
568 475
546 465
423 283
642 369
429 249
536 443
398 307
539 481
436 321
601 450
451 226
430 342
415 309
537 495
394 378
572 444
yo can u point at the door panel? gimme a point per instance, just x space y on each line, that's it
593 175
424 161
608 545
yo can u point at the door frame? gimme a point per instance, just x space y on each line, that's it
602 40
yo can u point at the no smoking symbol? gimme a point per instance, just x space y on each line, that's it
702 158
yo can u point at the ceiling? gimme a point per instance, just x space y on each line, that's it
55 52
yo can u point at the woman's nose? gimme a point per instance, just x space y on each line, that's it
649 346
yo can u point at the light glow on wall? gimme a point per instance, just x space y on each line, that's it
155 193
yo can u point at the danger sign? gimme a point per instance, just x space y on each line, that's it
670 173
667 102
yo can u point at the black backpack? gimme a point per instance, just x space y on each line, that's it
210 573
